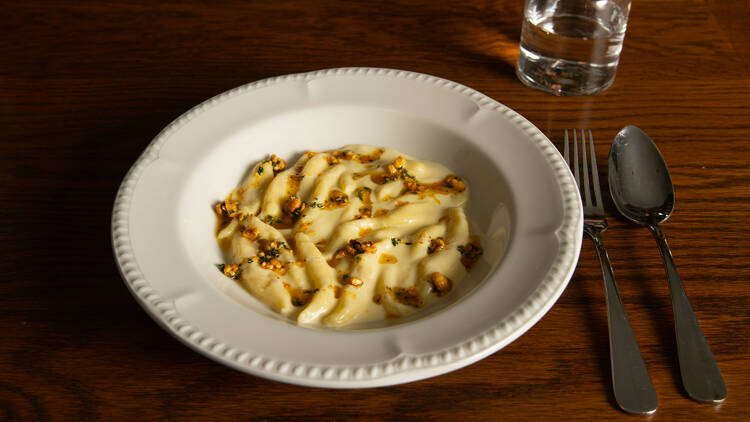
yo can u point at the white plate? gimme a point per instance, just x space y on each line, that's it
522 195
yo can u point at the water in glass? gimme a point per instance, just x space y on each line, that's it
573 51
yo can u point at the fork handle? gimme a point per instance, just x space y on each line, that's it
634 391
700 374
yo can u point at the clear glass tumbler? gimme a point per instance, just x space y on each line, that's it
571 47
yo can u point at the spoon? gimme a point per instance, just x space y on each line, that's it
642 190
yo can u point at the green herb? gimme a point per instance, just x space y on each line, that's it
250 261
461 249
395 241
315 204
260 169
405 175
220 267
234 275
358 258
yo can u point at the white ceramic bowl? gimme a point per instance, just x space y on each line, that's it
523 202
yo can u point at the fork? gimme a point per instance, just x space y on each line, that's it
634 391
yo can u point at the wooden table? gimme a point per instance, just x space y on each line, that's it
85 86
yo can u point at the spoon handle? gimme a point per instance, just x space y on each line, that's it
634 391
700 374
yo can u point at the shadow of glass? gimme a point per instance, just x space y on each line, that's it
485 33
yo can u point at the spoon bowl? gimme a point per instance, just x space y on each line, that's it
639 179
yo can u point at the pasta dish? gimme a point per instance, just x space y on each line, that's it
348 236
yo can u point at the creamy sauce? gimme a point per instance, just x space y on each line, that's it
349 236
387 259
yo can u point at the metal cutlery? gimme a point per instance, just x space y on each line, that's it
633 389
643 192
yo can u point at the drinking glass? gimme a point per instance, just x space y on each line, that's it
571 47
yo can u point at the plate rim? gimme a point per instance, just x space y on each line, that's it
403 368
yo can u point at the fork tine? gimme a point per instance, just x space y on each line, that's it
566 150
595 172
585 165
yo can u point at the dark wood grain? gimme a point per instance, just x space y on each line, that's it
85 85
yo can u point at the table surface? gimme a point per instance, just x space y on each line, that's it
86 85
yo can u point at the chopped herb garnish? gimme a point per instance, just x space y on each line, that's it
405 175
359 195
260 169
250 261
231 271
315 204
395 241
461 249
269 219
358 258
